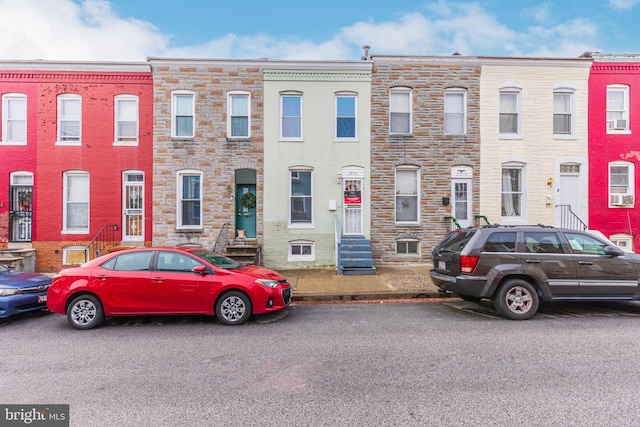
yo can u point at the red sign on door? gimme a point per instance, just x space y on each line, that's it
352 198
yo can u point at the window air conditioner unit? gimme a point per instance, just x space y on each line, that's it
627 200
619 124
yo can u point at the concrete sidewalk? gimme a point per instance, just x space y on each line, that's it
390 282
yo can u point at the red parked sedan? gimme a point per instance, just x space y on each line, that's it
150 281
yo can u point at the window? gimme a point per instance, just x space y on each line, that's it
14 118
542 242
563 120
182 114
512 191
69 119
617 108
407 247
621 188
407 195
345 116
455 111
76 202
400 111
583 244
239 121
623 241
302 251
291 116
126 123
189 199
171 261
500 242
300 197
510 112
129 261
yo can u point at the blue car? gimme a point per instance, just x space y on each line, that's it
22 292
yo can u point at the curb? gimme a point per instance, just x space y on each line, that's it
368 296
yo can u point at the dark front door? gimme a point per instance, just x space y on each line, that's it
20 211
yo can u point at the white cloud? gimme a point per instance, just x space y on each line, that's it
623 4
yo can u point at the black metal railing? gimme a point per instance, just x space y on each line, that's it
223 238
103 239
569 219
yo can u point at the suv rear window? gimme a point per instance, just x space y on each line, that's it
456 240
500 242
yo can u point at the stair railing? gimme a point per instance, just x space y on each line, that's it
569 219
223 238
337 240
102 240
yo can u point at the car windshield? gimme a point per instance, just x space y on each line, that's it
456 240
217 259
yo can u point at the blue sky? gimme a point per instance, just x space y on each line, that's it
132 30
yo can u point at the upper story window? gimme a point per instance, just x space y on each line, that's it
76 202
400 110
69 119
14 119
126 120
563 113
621 184
300 197
239 113
617 109
510 115
513 192
346 105
455 111
291 116
189 196
182 114
407 194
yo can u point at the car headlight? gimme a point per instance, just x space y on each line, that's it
6 292
268 282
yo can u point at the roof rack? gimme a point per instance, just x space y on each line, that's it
517 225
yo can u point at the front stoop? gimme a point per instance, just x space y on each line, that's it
244 251
356 257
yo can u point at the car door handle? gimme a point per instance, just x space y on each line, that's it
585 263
532 261
102 277
158 279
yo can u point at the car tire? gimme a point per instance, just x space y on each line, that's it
469 298
233 308
85 312
516 299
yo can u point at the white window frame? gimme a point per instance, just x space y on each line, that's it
510 89
119 117
514 219
399 194
407 110
77 198
311 256
629 192
74 255
291 176
174 113
8 119
448 113
230 96
406 241
571 112
349 95
63 118
284 95
623 241
180 175
614 116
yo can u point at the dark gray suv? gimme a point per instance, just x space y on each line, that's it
518 266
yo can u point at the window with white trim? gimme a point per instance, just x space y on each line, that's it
75 202
400 110
291 116
563 117
182 114
510 117
126 120
617 109
189 196
513 192
69 119
407 194
455 111
621 184
346 106
623 241
407 247
14 119
239 115
301 197
302 250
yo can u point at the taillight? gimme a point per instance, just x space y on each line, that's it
468 263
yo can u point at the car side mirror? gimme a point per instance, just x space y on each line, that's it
613 251
200 269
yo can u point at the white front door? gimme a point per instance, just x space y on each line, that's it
461 204
133 204
352 206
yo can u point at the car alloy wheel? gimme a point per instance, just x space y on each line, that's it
516 299
85 312
233 308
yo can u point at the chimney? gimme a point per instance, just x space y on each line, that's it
366 56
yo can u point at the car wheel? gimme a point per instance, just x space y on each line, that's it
233 308
85 312
468 298
516 299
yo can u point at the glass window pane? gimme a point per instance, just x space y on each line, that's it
399 102
400 123
239 126
184 105
453 102
184 126
291 105
346 127
191 187
346 106
240 105
406 181
291 127
508 103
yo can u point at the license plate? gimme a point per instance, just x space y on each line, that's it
42 298
442 265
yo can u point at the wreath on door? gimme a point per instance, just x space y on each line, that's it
248 200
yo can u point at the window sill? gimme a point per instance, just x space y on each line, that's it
189 230
125 143
510 136
619 132
69 143
565 137
13 142
182 138
238 139
75 231
347 140
291 140
299 225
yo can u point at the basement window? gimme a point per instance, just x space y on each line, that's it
302 250
407 247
